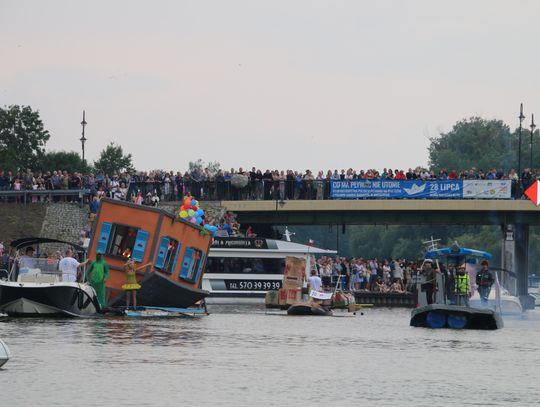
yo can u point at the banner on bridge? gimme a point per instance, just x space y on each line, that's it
443 189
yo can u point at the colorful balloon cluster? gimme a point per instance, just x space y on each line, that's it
191 212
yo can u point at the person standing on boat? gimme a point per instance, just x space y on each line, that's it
314 281
484 281
131 286
97 274
26 261
430 282
462 290
69 267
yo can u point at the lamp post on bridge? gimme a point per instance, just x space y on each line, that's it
83 140
533 126
521 118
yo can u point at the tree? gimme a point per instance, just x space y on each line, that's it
60 160
22 137
199 165
475 142
112 160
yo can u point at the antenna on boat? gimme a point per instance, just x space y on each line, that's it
432 243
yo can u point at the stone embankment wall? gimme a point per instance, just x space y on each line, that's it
65 221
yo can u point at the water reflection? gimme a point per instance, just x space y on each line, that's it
155 332
238 356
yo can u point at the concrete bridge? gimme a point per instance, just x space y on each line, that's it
513 216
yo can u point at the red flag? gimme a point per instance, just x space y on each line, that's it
533 193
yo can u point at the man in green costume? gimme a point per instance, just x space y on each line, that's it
97 274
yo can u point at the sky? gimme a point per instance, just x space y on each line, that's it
273 84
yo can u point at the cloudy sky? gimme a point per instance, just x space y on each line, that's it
273 84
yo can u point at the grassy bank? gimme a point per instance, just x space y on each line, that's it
17 220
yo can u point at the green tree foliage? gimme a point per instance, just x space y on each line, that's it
60 160
526 148
112 160
200 165
474 142
22 137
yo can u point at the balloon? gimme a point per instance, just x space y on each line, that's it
196 203
199 220
183 214
193 207
199 212
193 202
191 212
183 208
208 227
193 220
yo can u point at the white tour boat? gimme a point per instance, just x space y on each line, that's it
243 269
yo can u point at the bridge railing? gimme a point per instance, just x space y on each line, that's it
329 189
281 190
79 196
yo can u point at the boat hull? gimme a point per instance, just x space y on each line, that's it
160 291
4 353
454 316
45 299
307 309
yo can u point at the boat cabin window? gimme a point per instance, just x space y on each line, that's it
191 264
245 265
122 240
167 254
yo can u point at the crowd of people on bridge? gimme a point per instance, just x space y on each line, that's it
234 184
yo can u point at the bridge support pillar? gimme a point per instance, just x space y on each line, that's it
521 240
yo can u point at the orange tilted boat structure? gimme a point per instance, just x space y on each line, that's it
175 250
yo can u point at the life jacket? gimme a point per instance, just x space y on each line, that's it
461 286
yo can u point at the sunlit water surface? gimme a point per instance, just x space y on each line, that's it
241 356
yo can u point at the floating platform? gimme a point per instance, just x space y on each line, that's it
405 300
157 312
455 317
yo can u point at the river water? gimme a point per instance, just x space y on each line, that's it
242 356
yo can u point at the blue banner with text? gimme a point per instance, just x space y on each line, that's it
440 189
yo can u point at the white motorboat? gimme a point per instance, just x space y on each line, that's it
4 353
35 287
507 304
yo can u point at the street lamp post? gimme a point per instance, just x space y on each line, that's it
521 117
533 126
83 139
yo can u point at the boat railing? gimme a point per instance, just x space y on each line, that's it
507 281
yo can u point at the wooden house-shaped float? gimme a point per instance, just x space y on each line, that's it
176 251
